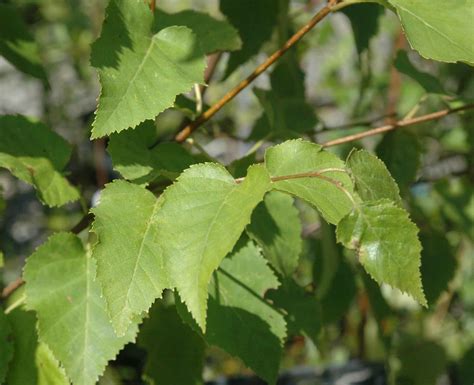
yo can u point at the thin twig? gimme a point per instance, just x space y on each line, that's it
186 131
401 123
153 5
12 286
361 122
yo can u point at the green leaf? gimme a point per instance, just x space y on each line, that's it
333 277
286 113
49 371
328 192
400 151
202 217
17 45
438 264
6 343
438 29
431 84
33 362
72 320
238 312
302 309
146 245
465 368
422 363
134 63
254 27
382 312
371 177
36 155
22 369
135 159
175 353
213 35
129 262
387 245
364 20
276 227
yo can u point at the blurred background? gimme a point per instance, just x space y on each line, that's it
375 333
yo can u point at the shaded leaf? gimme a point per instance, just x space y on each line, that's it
326 193
6 344
276 227
175 353
438 28
213 35
400 151
134 63
254 27
238 312
364 20
387 245
17 45
466 369
302 309
371 177
423 362
33 362
431 84
438 264
136 159
36 155
286 113
382 312
333 277
72 318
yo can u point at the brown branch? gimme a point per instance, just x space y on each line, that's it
401 123
10 288
204 117
152 5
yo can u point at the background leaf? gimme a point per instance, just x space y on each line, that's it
286 112
302 309
276 227
33 362
213 35
36 155
175 353
72 319
133 63
438 264
6 342
238 312
431 84
400 151
136 159
255 27
423 362
17 45
364 20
